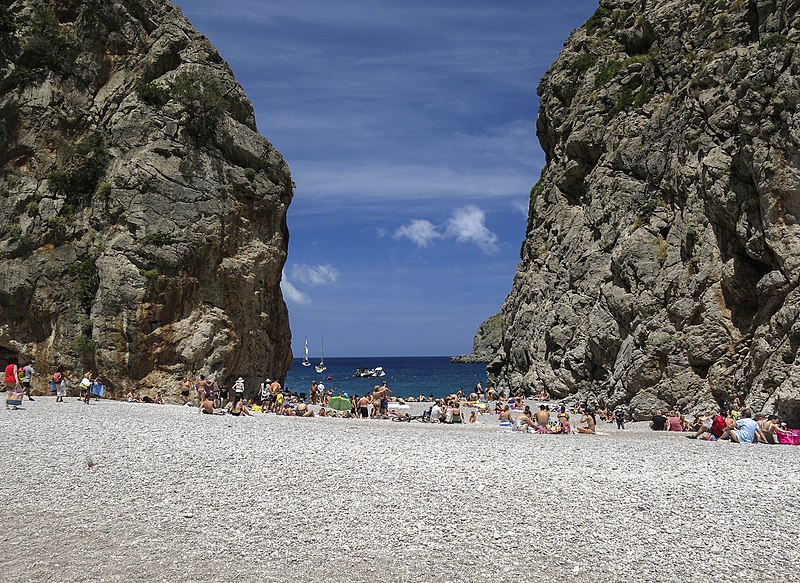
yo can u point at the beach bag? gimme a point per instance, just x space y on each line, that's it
792 438
98 390
52 387
14 398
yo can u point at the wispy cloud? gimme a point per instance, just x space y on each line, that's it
292 294
468 225
421 232
465 225
315 274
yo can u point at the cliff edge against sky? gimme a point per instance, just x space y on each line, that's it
662 258
143 217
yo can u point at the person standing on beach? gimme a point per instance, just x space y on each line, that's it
619 415
27 378
11 380
363 406
60 384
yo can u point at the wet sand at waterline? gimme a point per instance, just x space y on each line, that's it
124 492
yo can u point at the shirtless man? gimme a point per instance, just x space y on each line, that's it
207 405
384 398
274 391
313 392
542 419
363 407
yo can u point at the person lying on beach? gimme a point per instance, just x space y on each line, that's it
588 418
133 397
302 410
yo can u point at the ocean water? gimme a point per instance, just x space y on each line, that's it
405 376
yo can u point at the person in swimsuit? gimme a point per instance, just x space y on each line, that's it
363 407
588 418
504 416
207 406
186 387
542 419
457 416
563 418
238 408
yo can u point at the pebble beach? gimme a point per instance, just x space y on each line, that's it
120 492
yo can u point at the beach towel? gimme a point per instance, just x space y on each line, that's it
98 390
790 439
14 398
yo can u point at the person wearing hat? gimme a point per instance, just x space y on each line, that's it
263 394
238 388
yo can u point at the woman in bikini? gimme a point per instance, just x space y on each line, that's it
563 418
588 418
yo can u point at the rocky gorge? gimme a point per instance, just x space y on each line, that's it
143 216
661 262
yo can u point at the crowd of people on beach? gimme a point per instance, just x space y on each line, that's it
737 424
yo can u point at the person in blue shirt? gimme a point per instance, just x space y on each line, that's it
747 430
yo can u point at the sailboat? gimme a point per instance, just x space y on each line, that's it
306 362
321 366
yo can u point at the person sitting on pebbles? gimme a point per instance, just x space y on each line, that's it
542 419
588 418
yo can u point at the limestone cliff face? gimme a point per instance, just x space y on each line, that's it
143 217
662 258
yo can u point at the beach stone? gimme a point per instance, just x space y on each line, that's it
147 216
659 267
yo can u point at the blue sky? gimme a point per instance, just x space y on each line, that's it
409 128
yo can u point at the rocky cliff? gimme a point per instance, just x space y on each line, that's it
143 217
662 258
486 343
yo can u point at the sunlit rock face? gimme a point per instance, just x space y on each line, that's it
662 256
143 217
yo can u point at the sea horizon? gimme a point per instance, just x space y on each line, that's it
406 376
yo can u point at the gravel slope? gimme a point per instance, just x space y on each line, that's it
176 496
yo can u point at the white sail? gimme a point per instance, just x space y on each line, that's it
306 362
321 366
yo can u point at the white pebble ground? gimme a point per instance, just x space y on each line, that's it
120 492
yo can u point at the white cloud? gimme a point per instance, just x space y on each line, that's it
315 274
419 231
293 294
465 225
381 232
468 225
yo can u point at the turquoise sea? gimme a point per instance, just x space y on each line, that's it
405 376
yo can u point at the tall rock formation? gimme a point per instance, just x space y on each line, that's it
662 257
143 217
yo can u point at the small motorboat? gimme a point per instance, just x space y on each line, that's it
369 372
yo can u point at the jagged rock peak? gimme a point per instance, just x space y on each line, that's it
662 258
143 216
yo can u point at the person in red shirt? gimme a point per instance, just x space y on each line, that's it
11 375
